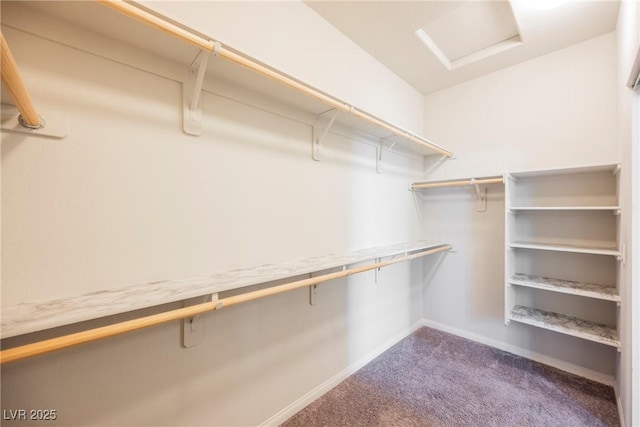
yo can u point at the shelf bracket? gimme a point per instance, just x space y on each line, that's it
193 327
377 270
392 140
481 197
379 158
192 92
322 126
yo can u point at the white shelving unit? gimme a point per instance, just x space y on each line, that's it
562 251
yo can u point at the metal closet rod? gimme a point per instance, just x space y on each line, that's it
13 82
459 183
53 344
211 46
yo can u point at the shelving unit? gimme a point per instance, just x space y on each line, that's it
561 237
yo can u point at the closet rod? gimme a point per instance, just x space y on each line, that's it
53 344
215 47
458 183
13 82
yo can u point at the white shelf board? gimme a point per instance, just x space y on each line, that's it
565 208
566 248
613 167
568 325
30 317
608 293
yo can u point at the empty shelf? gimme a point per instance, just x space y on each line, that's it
36 316
567 248
566 325
590 290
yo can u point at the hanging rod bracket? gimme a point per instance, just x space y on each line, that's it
391 139
379 158
217 47
193 327
192 92
56 125
481 196
320 130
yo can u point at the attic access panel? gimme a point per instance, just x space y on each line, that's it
473 31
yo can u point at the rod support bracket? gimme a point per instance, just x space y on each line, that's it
481 196
320 129
313 292
192 92
193 327
379 158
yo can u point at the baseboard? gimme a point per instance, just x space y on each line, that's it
314 394
556 363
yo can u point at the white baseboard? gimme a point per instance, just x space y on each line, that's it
314 394
523 352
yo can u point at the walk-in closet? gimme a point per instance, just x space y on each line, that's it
320 213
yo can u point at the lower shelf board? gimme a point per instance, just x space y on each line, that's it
607 293
566 325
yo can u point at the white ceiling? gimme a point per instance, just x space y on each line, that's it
387 30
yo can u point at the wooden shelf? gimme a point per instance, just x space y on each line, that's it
568 325
608 293
37 316
566 248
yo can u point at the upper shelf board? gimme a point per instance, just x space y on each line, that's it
613 168
31 317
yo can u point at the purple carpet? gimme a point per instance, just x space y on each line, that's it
432 378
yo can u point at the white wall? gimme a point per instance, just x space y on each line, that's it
553 111
557 110
628 372
128 198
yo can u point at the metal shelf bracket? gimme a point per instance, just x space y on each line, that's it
322 126
192 91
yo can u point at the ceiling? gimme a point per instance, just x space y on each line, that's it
393 33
